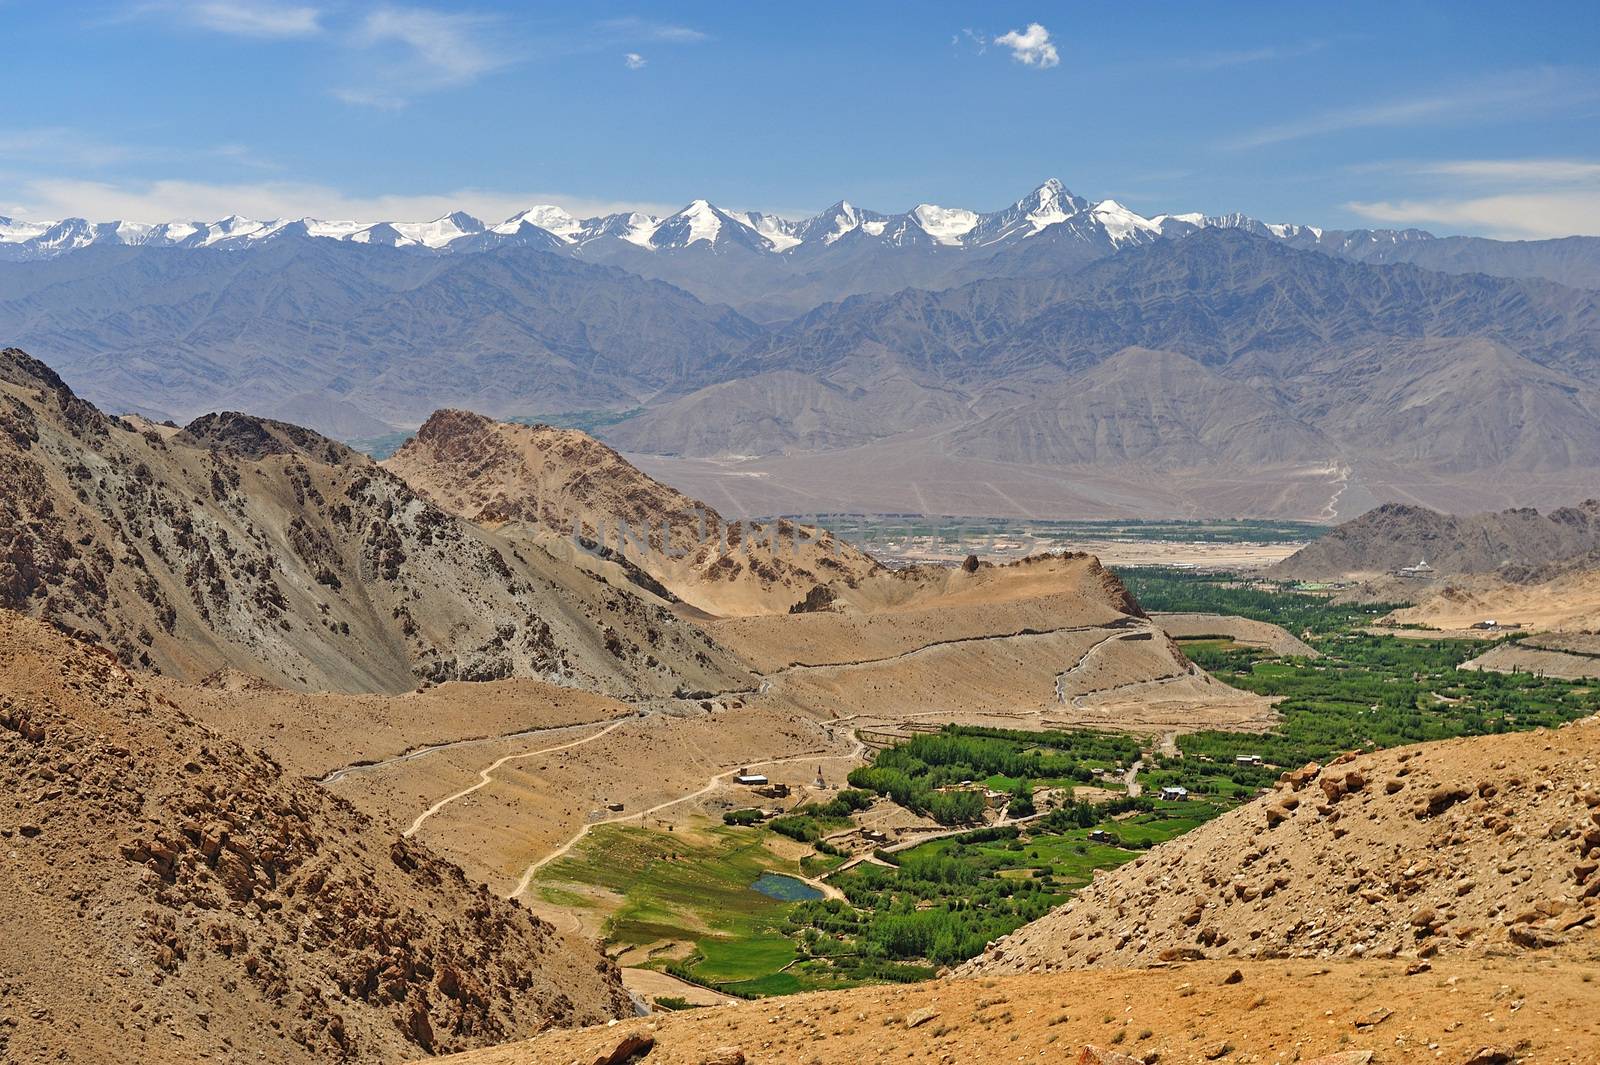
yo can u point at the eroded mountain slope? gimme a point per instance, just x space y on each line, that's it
264 547
566 484
168 895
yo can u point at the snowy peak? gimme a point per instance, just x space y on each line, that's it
838 220
1122 225
783 233
632 226
701 223
439 232
946 225
545 216
1045 206
1050 208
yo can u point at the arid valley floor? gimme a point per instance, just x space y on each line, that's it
786 801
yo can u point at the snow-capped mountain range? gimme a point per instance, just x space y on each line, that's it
701 225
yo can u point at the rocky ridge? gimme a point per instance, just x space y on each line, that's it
255 545
169 895
565 484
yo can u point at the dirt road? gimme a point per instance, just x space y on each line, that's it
486 774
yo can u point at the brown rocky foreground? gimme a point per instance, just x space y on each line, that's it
168 895
1524 1010
1485 846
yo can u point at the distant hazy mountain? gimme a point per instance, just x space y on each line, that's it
1058 332
1223 350
794 264
352 338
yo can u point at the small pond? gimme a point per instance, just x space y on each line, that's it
787 888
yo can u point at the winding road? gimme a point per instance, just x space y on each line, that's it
356 768
486 774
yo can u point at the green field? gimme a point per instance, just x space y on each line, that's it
1366 691
940 903
929 774
689 887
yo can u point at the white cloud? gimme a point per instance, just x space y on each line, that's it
1031 46
1489 100
244 18
1534 171
48 199
1512 215
639 29
634 61
1515 198
446 45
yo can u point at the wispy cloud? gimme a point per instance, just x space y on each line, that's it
1509 215
1267 54
160 201
61 146
978 41
639 29
634 61
1031 46
415 50
243 18
1501 197
1490 100
1531 171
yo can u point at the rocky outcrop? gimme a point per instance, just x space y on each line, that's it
1476 846
564 484
191 895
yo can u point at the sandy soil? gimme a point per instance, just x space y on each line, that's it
316 734
1537 1012
1522 658
1567 603
1263 634
651 985
910 474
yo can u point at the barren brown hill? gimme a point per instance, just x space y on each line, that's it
260 546
896 611
1045 640
1482 846
1520 545
1245 631
168 895
565 483
1568 602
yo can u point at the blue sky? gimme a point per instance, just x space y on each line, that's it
1457 117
